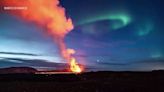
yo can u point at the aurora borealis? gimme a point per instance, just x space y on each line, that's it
108 35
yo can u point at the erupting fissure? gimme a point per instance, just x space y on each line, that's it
74 66
50 14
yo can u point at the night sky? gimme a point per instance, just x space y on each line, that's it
108 35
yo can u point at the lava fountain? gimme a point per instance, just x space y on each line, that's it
49 14
74 67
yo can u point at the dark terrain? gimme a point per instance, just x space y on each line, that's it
85 82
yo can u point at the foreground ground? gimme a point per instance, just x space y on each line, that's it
86 82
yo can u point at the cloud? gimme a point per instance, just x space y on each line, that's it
142 65
151 61
15 53
117 64
8 62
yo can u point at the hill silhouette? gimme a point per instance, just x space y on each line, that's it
14 70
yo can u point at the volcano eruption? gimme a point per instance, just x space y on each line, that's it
49 14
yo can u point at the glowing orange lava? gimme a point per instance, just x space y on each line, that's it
74 67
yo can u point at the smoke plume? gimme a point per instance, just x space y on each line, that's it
48 13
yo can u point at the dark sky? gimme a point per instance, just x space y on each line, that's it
108 35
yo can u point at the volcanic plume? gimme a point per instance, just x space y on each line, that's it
48 13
